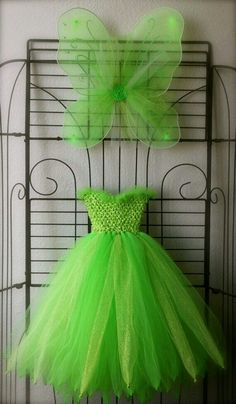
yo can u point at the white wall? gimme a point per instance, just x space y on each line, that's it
212 20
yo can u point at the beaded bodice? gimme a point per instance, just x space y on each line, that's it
121 212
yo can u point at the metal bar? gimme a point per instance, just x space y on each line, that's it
208 198
27 203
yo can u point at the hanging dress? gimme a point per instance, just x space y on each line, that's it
118 317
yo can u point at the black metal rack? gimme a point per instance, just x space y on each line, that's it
182 217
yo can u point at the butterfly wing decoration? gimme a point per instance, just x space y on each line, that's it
157 40
83 40
129 75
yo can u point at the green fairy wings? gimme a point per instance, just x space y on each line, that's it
121 81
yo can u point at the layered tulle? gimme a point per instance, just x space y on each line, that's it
118 318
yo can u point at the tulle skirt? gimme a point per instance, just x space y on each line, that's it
119 318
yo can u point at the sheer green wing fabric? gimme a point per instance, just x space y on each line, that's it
84 47
153 123
148 113
156 41
86 122
82 39
130 75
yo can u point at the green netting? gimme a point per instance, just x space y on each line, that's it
130 74
119 317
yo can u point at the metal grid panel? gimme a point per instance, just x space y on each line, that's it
180 223
49 91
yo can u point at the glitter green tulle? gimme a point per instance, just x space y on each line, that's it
119 317
128 76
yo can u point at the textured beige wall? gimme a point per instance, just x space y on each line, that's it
212 20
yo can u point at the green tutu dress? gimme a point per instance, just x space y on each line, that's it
118 316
